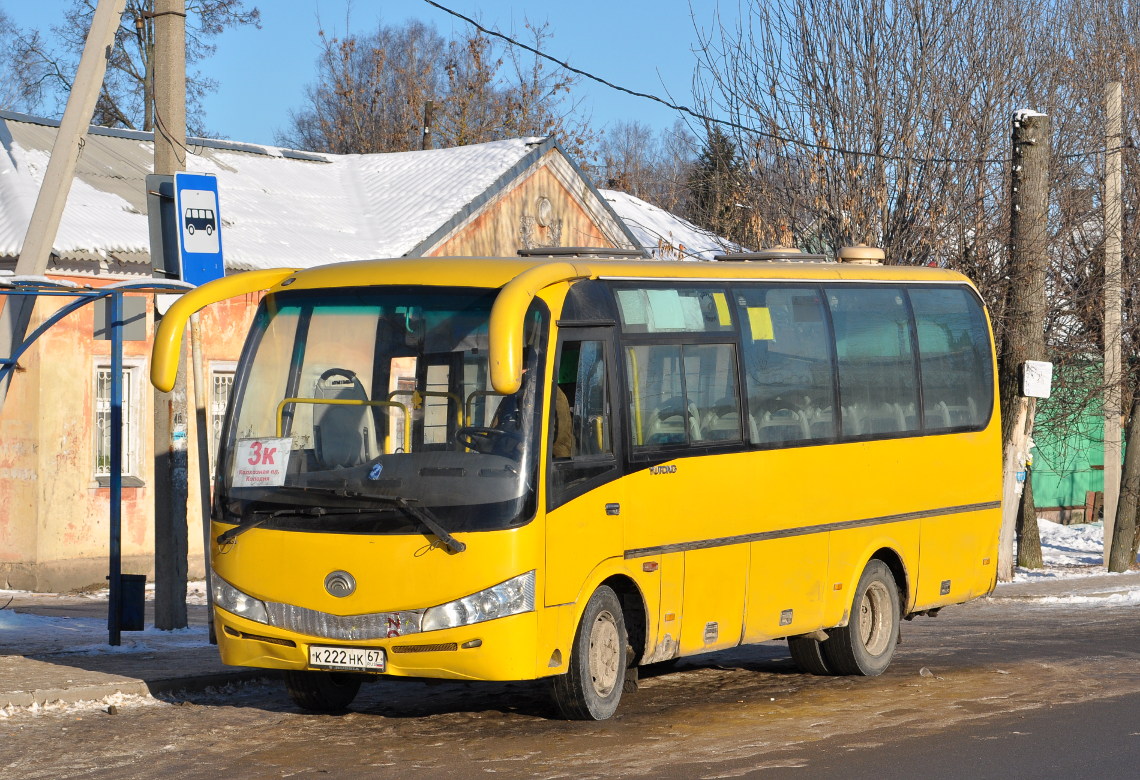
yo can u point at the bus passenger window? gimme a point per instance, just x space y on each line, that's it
877 375
787 362
683 394
953 349
580 412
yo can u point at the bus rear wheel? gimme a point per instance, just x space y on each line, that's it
322 691
592 687
867 643
807 654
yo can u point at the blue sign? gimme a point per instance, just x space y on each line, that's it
199 228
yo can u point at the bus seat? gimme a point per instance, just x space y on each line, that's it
343 434
722 421
671 421
783 425
821 423
885 418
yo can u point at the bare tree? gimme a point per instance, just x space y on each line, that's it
541 102
656 168
48 64
370 93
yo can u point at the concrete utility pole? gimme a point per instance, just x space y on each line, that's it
1112 313
1024 332
44 224
171 424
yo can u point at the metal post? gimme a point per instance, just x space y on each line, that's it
205 434
1112 314
114 606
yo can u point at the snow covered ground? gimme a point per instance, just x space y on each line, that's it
22 633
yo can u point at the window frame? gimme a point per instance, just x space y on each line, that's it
622 392
610 465
134 408
219 368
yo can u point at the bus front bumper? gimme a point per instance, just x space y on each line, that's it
502 649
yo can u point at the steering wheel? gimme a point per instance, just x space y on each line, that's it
488 440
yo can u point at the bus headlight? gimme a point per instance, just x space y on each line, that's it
512 597
233 600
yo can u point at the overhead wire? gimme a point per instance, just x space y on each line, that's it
705 118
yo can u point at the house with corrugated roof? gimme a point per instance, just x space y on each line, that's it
278 208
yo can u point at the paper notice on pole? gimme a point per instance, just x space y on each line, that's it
261 462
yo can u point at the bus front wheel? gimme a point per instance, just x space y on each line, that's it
592 687
867 643
322 691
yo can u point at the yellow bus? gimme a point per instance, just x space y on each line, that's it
512 469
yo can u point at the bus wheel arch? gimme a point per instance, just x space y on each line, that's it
636 616
895 563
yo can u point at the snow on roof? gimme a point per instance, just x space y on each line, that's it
664 235
279 208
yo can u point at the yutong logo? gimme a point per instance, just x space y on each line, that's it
663 470
340 584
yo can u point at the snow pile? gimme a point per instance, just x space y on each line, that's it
24 633
1068 550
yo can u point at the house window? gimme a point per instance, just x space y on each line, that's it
221 386
131 415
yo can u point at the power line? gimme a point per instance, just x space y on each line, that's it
706 118
736 125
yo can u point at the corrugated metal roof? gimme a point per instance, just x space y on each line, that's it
278 207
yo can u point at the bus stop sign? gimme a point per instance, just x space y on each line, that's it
199 228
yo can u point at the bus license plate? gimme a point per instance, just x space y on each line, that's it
369 659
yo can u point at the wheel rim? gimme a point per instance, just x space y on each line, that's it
875 619
604 654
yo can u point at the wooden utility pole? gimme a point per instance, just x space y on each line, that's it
171 423
1122 553
429 118
1112 313
35 252
1023 335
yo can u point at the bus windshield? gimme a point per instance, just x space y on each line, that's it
362 410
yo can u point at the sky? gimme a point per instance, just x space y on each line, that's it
644 45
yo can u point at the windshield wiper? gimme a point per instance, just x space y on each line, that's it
264 516
412 509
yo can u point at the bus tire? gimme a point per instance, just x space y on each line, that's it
190 228
322 691
807 654
591 688
867 643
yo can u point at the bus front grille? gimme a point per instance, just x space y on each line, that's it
311 622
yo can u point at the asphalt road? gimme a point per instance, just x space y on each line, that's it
998 688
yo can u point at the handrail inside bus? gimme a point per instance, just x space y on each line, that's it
168 337
346 402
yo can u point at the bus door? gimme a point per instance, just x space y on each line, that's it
584 495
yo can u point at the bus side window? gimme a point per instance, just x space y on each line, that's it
580 412
787 360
